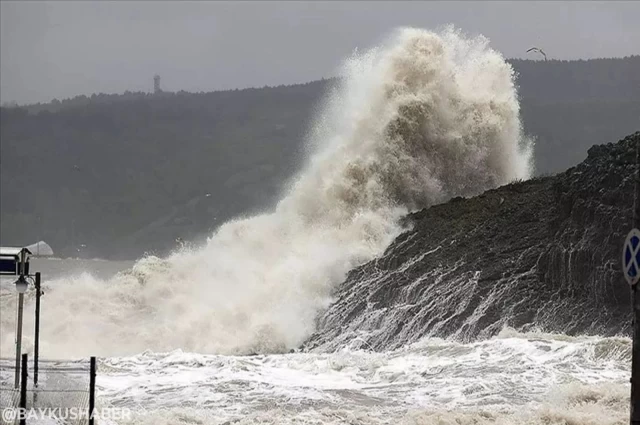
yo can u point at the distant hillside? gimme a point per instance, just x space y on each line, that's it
599 80
95 174
117 175
571 105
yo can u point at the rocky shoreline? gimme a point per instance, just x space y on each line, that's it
538 254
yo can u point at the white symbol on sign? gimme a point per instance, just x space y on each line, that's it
631 257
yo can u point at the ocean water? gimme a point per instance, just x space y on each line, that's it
210 335
513 378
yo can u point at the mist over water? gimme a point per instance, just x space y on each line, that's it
422 118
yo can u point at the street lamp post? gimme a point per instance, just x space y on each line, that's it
21 288
15 262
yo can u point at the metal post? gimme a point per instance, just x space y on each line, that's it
23 260
635 357
36 343
636 197
23 391
19 338
92 390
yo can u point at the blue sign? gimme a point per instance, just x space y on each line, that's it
11 266
631 257
8 265
10 260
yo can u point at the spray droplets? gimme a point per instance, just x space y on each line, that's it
423 118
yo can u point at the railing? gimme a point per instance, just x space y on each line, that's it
65 390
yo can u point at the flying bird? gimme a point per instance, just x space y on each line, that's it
539 50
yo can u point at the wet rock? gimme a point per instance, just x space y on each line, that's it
543 253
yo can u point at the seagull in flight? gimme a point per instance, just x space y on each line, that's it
539 50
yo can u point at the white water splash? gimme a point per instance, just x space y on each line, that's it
418 120
511 379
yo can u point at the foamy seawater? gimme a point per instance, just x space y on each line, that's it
511 379
415 121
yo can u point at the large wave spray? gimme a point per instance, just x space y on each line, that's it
425 117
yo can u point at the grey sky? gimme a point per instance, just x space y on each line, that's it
62 49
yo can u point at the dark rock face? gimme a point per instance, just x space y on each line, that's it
543 253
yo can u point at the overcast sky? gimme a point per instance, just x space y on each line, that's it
61 49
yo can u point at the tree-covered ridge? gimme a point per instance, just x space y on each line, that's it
552 80
578 80
118 175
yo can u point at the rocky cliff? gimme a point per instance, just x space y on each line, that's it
543 253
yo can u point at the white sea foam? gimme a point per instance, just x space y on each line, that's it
511 379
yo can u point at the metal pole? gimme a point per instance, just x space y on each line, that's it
23 391
19 338
635 356
23 260
36 343
92 390
636 197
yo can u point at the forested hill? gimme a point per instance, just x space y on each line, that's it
117 175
